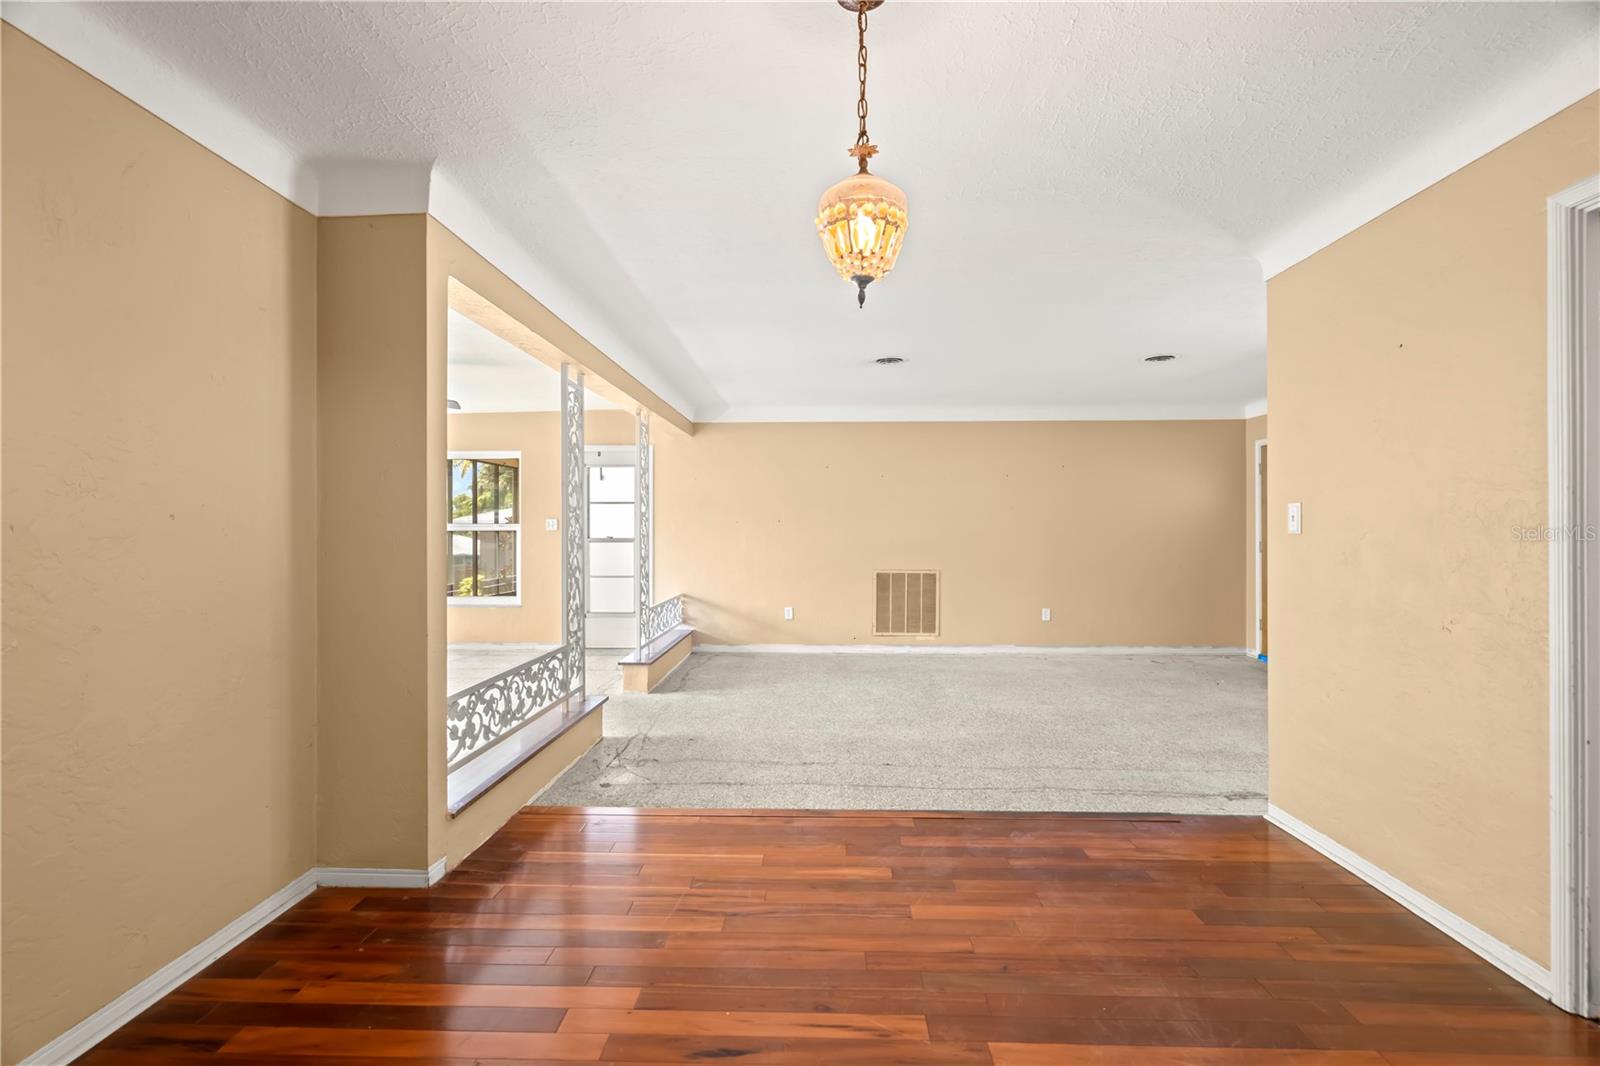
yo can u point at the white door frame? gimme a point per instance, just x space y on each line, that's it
1260 543
611 626
1574 427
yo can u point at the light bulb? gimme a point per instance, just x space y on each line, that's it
864 230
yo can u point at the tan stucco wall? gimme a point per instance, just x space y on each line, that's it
159 333
1408 689
1254 429
1128 531
224 434
373 447
537 435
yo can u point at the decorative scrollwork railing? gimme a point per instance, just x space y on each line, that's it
660 618
574 524
489 711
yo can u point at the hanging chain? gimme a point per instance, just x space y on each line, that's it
861 71
864 149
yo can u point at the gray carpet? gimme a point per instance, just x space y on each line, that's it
1146 732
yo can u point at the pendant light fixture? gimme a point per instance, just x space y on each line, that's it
862 220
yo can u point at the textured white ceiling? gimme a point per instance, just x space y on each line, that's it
1089 184
488 373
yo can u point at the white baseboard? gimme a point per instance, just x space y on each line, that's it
1496 952
103 1022
957 649
378 877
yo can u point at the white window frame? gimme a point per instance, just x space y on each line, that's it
474 527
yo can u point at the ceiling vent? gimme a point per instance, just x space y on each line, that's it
905 603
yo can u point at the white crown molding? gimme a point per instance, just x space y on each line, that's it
1494 951
1256 408
324 187
462 215
355 187
345 187
371 187
959 649
73 33
1221 412
1554 87
103 1022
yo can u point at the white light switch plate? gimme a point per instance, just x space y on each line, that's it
551 525
788 614
1044 615
1294 518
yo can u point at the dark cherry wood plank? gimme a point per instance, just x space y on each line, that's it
839 938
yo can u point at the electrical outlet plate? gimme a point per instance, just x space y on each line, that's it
551 525
1044 614
1294 518
788 614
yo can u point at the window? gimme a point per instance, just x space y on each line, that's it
485 529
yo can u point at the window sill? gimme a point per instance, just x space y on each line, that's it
467 783
657 648
483 601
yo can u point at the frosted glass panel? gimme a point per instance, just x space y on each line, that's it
611 559
611 595
612 484
610 521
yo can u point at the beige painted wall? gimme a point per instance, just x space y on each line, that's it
1408 693
224 440
1254 429
537 435
382 374
373 649
159 332
1128 531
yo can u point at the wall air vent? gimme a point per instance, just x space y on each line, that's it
905 603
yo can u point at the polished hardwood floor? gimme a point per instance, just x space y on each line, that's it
648 936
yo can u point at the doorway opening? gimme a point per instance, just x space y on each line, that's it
611 557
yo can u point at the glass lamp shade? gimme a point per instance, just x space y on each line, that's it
862 223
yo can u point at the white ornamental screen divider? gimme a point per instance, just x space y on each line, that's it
573 533
655 619
643 512
481 716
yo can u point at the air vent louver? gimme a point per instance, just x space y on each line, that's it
906 603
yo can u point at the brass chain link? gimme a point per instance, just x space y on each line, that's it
861 70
